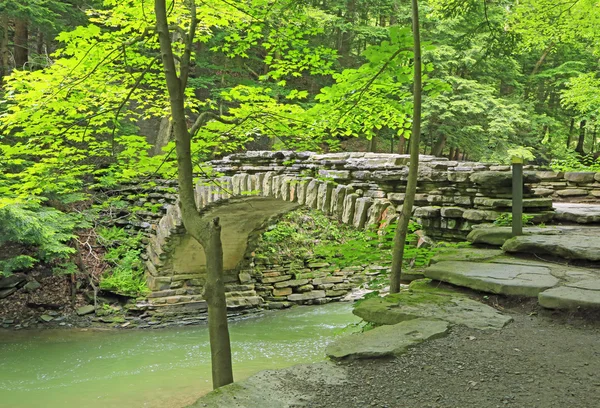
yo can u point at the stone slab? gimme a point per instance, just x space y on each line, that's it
465 254
497 236
269 389
386 341
577 213
573 246
499 278
452 308
578 295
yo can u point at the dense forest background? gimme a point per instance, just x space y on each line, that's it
84 105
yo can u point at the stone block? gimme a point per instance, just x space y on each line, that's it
360 214
267 187
550 175
291 283
276 279
304 288
492 178
480 215
312 192
324 197
282 291
313 294
301 187
375 213
328 279
157 283
427 212
572 192
452 212
580 177
337 201
397 197
244 277
335 293
349 205
335 174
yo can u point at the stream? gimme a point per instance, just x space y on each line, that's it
164 368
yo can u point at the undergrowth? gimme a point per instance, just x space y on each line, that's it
306 235
123 253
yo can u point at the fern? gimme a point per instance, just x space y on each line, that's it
46 230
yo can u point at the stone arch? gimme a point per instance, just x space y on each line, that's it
246 204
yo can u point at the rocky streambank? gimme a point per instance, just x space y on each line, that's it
523 357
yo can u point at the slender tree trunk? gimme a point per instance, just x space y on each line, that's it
206 233
220 344
401 145
451 153
541 60
372 145
456 154
579 149
21 44
4 52
411 187
571 128
439 145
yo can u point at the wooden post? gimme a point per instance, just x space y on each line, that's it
517 196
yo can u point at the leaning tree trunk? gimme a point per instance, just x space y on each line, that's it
208 234
411 187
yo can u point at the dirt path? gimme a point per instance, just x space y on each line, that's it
536 361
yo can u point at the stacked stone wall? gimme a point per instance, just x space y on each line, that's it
568 187
359 189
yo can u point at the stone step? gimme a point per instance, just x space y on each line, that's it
582 245
572 296
554 285
577 213
499 278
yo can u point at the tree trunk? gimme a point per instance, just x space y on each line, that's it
580 142
220 345
401 144
21 44
372 145
451 153
439 145
206 233
4 52
411 187
456 154
571 128
165 129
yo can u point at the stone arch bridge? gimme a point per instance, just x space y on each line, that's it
361 189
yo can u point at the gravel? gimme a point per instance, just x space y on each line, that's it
536 361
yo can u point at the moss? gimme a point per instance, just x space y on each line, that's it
416 297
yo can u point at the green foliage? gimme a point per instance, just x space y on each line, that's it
505 220
123 253
524 153
44 232
574 162
304 235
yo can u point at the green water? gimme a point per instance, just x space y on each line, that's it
154 368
